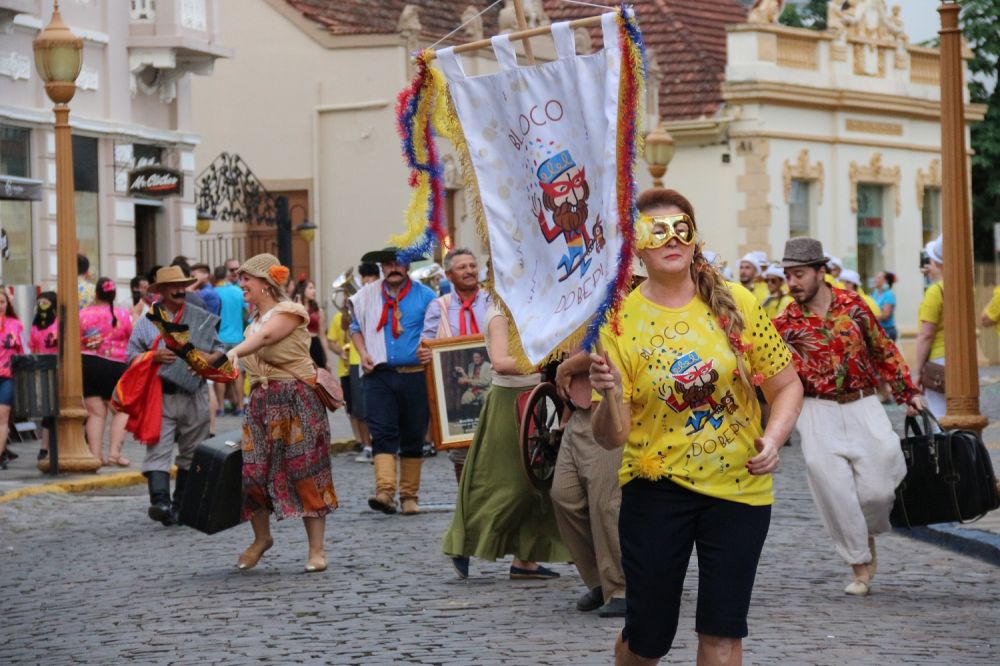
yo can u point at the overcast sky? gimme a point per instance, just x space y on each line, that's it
921 18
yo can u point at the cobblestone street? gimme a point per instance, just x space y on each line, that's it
90 580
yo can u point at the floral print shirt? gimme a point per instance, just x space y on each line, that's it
845 351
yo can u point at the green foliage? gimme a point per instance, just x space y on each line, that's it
811 14
981 28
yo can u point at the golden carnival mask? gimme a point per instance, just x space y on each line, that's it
654 232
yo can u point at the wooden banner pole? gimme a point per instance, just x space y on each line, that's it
521 35
522 25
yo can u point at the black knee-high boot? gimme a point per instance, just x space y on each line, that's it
159 497
180 483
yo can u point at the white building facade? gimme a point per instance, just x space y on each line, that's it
834 135
131 109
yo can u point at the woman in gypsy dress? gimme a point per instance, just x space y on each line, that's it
498 512
286 434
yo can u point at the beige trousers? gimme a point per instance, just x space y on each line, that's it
586 498
853 463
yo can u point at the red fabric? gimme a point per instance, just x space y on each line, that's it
473 327
139 393
390 309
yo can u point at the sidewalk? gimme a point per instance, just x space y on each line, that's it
22 477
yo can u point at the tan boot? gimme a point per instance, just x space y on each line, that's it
385 483
409 484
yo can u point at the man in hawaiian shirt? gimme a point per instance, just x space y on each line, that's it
853 458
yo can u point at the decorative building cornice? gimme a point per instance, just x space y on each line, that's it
802 170
877 173
930 179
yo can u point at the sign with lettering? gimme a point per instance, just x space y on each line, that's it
20 189
155 181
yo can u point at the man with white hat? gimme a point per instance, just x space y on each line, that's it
777 299
185 419
853 459
851 280
750 275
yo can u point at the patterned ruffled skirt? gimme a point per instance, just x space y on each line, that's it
286 453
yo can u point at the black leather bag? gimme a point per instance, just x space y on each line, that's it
949 477
213 496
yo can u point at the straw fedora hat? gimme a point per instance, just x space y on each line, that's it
266 267
172 276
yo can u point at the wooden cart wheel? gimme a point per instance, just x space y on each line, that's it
540 435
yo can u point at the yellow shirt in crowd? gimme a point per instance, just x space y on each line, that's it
761 291
993 309
932 310
336 333
692 421
775 305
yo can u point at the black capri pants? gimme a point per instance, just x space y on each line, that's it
659 523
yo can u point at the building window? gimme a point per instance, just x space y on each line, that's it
799 209
15 216
871 231
931 214
85 180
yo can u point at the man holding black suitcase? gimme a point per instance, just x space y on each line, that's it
853 457
185 416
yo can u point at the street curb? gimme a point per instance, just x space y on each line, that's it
120 480
974 543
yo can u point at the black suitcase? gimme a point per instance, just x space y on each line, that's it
213 495
949 477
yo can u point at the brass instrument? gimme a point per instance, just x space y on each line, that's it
345 286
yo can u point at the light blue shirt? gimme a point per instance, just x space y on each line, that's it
231 309
883 298
403 350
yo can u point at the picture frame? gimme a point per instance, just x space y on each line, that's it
458 379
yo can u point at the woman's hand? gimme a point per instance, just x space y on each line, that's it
604 376
233 357
767 458
915 405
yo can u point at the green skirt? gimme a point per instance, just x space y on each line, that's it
498 512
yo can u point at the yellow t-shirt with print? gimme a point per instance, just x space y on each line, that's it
336 333
993 309
932 310
775 305
692 421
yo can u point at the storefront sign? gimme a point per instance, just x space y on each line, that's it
20 189
155 181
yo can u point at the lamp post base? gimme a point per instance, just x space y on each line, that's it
74 456
976 422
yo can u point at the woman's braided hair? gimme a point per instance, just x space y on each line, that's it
711 286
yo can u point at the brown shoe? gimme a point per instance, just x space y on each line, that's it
409 506
382 502
409 484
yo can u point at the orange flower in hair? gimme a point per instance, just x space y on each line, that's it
278 273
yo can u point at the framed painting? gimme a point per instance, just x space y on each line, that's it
458 379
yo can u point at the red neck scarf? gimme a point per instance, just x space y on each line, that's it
390 308
473 328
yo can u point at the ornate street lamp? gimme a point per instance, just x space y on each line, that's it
306 230
58 58
203 223
961 371
660 150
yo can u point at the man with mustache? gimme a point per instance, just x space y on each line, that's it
185 418
388 320
564 193
461 312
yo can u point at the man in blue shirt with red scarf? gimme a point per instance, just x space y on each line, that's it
386 327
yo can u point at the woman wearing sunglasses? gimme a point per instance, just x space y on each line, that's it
696 465
777 298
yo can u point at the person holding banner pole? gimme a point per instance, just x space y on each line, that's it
696 468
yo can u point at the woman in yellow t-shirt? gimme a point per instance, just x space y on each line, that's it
930 336
681 369
777 299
